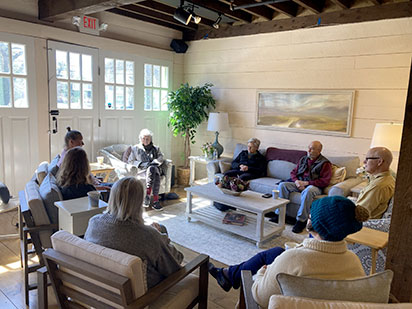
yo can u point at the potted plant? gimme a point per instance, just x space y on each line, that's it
189 107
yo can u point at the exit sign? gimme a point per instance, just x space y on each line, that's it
89 25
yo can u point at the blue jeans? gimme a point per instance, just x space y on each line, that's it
307 196
253 264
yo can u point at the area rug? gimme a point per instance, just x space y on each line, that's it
220 245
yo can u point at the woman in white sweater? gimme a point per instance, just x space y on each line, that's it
323 256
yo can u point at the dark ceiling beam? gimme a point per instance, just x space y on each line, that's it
224 9
52 10
316 6
343 4
169 10
156 15
259 11
376 2
385 11
289 8
151 20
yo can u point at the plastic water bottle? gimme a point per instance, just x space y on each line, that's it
214 154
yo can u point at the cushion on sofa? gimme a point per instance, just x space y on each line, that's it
42 171
224 166
360 289
338 174
126 154
280 169
350 162
53 168
50 193
290 155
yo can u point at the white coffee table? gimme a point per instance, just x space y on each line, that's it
74 214
250 203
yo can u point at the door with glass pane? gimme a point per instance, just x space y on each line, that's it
18 111
73 86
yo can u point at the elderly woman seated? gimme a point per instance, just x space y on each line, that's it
250 163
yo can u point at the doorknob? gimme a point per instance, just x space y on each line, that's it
54 119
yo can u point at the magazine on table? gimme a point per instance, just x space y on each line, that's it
234 218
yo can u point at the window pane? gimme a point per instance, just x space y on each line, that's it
87 68
164 100
75 96
87 96
109 70
119 71
62 95
119 97
108 91
129 72
5 92
129 98
19 59
20 92
61 64
4 58
74 60
147 99
148 75
156 76
165 77
156 99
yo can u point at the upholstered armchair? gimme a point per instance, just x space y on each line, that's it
117 156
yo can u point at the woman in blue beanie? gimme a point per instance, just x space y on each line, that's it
323 256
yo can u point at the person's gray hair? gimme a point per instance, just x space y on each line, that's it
126 200
254 141
145 132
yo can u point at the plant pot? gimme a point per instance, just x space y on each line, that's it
183 175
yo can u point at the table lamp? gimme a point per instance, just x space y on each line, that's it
218 122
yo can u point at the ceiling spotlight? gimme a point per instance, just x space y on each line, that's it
197 19
182 15
216 23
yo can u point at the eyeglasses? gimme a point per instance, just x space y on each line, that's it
371 158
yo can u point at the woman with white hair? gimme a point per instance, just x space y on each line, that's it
149 159
122 228
250 163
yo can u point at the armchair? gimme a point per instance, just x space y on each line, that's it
84 274
117 156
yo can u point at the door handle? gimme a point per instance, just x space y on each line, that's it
54 120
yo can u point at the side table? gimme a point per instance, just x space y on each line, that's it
198 159
103 169
13 203
376 240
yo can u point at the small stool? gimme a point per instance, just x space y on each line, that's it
376 240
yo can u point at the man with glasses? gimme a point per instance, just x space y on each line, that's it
376 195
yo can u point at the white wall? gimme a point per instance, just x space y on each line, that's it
371 58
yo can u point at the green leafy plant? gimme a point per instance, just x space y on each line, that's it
189 106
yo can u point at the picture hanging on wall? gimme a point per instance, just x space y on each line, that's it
326 112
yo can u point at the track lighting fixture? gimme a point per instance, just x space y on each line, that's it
184 13
216 23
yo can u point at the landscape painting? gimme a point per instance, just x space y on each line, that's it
321 112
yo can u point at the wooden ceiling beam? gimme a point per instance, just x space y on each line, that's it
141 17
289 8
316 6
376 2
219 7
259 11
156 15
52 10
168 10
343 4
386 11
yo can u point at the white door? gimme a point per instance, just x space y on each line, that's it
74 94
18 111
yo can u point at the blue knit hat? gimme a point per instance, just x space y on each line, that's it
333 218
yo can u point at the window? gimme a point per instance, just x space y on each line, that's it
74 80
156 87
13 75
118 84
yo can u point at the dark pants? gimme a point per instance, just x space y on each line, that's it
253 264
242 175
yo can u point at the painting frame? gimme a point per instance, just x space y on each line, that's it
324 112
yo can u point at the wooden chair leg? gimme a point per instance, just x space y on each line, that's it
42 301
25 261
203 285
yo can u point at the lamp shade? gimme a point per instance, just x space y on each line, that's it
387 135
218 122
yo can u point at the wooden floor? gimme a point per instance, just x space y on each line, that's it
11 275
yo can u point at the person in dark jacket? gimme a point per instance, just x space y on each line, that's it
250 163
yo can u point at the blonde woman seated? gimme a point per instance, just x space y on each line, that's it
122 228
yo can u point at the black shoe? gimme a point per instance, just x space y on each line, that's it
290 220
299 226
274 219
221 279
156 206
